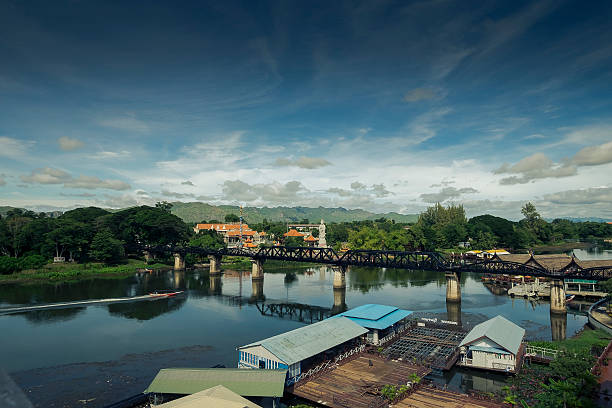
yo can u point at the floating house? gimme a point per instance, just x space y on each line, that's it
380 320
493 345
263 387
302 348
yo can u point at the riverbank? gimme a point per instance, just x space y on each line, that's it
241 264
69 272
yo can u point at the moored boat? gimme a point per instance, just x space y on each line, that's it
569 298
165 293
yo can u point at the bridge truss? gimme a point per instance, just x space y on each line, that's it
393 259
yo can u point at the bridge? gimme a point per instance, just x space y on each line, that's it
427 260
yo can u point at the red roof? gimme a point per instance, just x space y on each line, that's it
310 238
293 233
221 227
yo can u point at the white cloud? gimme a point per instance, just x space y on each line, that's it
50 175
582 196
68 144
173 194
109 155
536 166
10 147
447 193
188 183
594 155
272 193
302 162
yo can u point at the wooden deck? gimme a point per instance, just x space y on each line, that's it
355 383
435 398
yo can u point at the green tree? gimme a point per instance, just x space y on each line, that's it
106 248
232 218
69 237
164 206
208 239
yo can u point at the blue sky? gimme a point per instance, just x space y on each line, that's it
377 105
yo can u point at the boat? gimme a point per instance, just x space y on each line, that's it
165 293
569 298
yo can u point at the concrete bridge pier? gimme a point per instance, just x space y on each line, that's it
453 288
339 301
558 326
340 277
557 296
257 271
179 262
257 291
215 264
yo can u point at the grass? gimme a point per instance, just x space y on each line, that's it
71 272
585 340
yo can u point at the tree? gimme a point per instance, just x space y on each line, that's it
232 218
69 236
105 248
208 239
164 205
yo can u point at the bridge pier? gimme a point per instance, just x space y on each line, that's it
453 288
179 262
257 290
339 301
215 264
558 326
257 271
557 296
340 277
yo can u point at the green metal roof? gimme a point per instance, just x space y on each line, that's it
500 330
299 344
244 382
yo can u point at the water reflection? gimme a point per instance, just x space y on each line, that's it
147 310
453 312
558 326
339 301
257 291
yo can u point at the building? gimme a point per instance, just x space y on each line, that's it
493 345
302 348
380 320
306 230
264 387
218 397
232 233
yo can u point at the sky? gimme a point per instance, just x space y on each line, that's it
380 105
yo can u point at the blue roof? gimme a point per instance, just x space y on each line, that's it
375 316
488 349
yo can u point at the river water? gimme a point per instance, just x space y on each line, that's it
92 356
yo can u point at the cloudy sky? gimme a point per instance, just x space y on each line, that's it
376 105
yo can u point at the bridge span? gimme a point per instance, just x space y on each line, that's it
427 260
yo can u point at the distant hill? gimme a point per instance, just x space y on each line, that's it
197 212
581 219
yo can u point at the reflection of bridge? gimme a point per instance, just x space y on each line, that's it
393 259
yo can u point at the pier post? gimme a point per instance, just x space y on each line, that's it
257 271
557 296
339 301
453 289
179 262
558 326
215 264
215 284
257 291
339 277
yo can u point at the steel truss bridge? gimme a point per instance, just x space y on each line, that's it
393 259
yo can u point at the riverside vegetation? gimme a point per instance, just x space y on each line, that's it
97 241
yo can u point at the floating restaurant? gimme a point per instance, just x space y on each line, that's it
380 320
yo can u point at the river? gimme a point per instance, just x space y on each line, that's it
96 355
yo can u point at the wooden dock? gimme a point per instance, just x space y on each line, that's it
430 397
356 383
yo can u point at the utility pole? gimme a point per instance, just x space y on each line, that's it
240 245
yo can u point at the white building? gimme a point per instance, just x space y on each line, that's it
493 345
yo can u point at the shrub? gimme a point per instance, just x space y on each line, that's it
8 265
32 262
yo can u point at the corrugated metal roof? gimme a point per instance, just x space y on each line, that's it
218 397
299 344
370 311
375 316
500 330
248 383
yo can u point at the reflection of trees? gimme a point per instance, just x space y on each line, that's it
366 279
147 310
290 278
53 315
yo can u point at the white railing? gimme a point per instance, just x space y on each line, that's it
534 351
325 365
393 335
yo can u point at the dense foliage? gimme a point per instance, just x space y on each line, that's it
28 240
